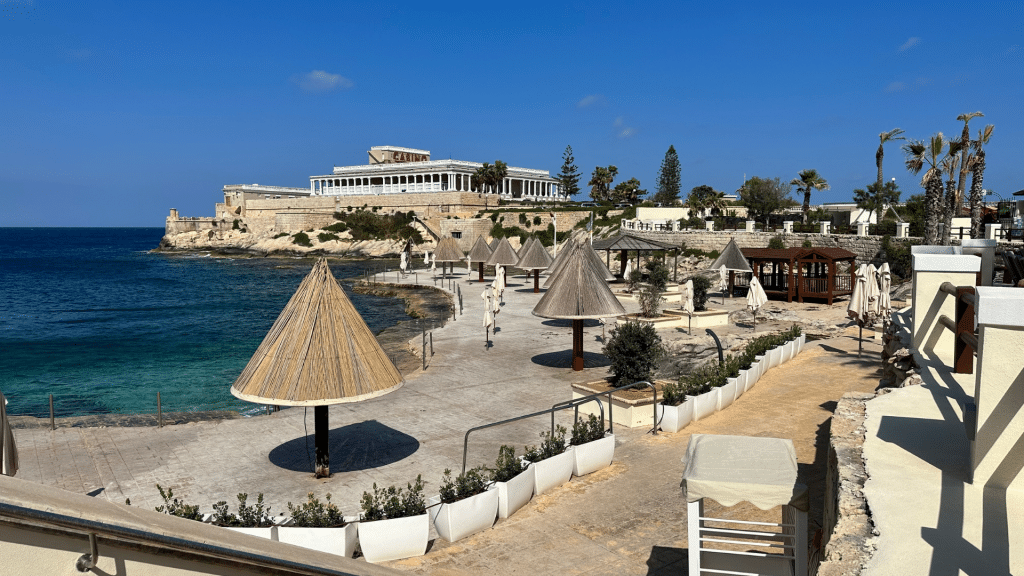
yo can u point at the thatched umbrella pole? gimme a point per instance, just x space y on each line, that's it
480 268
322 468
577 345
536 280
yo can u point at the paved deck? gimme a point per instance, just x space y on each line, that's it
627 519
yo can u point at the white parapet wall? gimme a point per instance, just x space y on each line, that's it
930 271
997 457
986 249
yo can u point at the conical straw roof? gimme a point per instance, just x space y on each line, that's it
448 251
533 256
318 352
583 239
503 255
480 251
579 292
526 246
732 258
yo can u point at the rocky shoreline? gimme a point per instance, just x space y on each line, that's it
237 243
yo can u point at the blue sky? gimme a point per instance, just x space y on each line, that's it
112 113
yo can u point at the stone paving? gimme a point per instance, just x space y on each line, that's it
627 519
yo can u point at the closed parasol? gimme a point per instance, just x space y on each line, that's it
686 300
755 298
884 285
860 307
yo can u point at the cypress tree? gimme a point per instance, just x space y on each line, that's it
570 175
668 178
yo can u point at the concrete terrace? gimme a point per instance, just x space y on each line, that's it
627 519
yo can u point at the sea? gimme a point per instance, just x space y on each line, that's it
97 319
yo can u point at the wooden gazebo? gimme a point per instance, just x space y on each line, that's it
802 272
626 243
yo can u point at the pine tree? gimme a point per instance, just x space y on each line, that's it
668 179
570 175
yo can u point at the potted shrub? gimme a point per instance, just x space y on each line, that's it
254 520
634 349
552 461
320 526
729 370
593 448
513 481
466 505
676 409
394 523
703 386
177 507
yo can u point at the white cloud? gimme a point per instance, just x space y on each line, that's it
319 81
590 101
910 43
627 132
623 130
896 87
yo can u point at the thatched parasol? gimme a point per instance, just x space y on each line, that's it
733 260
503 255
448 251
579 237
534 257
577 294
479 254
318 352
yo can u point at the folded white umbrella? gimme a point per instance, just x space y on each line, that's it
687 297
495 295
755 298
405 261
884 284
488 314
723 279
872 292
858 307
627 270
426 257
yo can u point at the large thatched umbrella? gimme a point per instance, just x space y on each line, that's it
579 292
319 352
448 251
503 255
479 254
733 260
534 257
579 237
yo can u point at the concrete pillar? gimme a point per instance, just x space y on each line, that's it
862 228
903 229
986 249
750 225
930 271
787 227
992 231
709 225
996 457
826 228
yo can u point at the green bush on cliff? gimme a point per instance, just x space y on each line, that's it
302 239
367 225
326 237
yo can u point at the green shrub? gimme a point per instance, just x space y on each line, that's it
337 227
326 237
470 483
536 220
807 243
234 225
314 514
391 502
550 445
497 231
897 254
777 243
175 507
673 394
634 349
257 516
301 238
649 296
687 252
507 466
701 285
339 215
494 216
281 235
587 430
522 218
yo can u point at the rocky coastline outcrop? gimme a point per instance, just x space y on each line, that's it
238 242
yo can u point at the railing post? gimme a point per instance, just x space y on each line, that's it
963 353
930 303
53 424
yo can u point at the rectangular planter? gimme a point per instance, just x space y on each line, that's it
675 418
727 394
762 366
515 493
803 342
774 357
593 456
632 413
706 404
553 472
746 379
339 541
270 533
466 517
394 538
788 351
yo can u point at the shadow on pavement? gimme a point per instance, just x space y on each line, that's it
563 359
568 323
665 560
358 446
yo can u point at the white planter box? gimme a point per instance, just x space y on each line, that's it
675 418
395 538
593 456
705 404
741 384
270 533
774 357
727 394
746 378
553 472
466 517
787 351
339 541
803 342
515 493
762 366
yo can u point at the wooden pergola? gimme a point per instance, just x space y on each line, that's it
626 243
802 272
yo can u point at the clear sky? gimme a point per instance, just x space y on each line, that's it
112 113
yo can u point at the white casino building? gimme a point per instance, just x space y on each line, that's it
396 170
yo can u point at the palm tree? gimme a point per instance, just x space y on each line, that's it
808 180
977 176
695 203
894 134
965 137
921 155
949 165
715 202
490 176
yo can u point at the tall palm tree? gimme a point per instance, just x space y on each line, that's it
920 155
949 166
808 180
965 137
977 176
695 203
490 176
715 202
891 135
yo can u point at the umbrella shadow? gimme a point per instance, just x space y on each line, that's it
589 323
563 359
358 446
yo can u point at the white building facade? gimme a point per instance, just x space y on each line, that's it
397 170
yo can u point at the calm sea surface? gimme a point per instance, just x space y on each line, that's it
88 315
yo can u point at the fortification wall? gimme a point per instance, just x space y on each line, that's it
470 229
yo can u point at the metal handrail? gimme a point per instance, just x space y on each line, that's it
465 441
611 421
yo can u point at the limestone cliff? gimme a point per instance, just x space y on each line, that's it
237 241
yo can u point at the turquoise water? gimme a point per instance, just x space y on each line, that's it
90 316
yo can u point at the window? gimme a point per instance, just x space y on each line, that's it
457 234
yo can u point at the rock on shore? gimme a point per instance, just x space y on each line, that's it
236 241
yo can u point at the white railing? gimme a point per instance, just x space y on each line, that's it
428 164
261 188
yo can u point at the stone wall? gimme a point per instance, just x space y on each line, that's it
423 203
866 248
302 220
470 228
